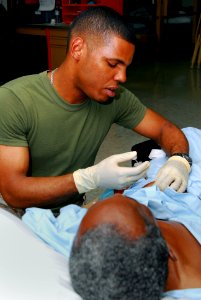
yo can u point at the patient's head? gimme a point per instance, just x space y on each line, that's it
118 253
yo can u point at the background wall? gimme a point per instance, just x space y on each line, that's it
4 2
186 2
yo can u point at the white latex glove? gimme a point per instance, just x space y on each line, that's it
174 174
108 173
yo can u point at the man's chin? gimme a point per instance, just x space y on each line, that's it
110 100
105 101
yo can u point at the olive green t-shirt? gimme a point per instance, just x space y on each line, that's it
61 137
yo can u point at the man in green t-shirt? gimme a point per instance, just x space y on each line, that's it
53 123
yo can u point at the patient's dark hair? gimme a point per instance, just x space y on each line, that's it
106 265
100 22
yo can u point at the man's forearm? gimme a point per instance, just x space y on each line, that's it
173 140
163 132
25 192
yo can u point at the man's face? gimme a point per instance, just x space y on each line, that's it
102 67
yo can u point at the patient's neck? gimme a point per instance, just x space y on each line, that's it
184 268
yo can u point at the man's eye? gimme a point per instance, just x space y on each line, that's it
112 65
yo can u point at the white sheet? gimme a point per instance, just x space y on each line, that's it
29 269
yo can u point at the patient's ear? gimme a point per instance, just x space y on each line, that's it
172 254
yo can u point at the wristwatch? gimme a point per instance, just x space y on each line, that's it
184 155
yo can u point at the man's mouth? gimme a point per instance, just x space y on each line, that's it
111 91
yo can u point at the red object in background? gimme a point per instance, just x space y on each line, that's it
31 1
115 4
70 10
49 51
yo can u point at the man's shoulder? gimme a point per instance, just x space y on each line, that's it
122 90
123 93
23 81
23 88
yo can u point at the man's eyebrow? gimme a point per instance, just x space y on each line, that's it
117 60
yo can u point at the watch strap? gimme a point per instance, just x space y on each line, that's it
183 160
184 155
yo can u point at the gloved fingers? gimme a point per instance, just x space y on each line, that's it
123 157
176 184
163 181
135 171
179 185
128 177
182 187
134 178
141 175
128 181
142 167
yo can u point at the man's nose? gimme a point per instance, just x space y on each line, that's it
120 76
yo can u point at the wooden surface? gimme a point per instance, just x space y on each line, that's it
56 41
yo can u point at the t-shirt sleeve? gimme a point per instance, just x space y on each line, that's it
129 109
13 119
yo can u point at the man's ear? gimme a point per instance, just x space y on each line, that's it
77 48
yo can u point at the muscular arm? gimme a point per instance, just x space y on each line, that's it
166 134
21 191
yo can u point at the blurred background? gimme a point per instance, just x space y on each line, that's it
33 32
165 73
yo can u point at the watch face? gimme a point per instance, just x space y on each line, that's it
188 159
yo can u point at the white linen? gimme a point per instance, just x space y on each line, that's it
30 270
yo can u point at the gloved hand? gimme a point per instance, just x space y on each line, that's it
108 173
174 174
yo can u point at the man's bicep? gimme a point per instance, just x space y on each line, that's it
14 163
13 120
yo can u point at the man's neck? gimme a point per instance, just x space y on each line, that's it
64 85
184 269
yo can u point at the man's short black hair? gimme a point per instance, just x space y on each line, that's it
100 21
105 264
